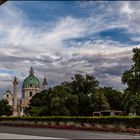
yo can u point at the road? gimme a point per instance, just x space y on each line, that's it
44 133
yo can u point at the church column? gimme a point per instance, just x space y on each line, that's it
15 108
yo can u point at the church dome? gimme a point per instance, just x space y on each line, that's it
31 80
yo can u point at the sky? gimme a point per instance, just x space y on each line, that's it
62 38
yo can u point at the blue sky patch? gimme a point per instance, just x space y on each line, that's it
7 71
119 35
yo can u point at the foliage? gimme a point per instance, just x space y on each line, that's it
5 109
79 97
114 98
83 84
72 104
131 77
58 107
128 121
68 98
84 103
99 101
133 104
40 104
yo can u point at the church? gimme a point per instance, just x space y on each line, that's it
31 86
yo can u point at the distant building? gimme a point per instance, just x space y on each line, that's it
9 97
31 86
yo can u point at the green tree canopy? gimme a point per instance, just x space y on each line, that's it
114 98
58 107
131 77
40 104
86 84
5 109
72 104
80 97
99 101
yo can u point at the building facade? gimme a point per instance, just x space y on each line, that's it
31 86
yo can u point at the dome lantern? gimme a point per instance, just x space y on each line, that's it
31 71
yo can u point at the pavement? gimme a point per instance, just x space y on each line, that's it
17 136
47 133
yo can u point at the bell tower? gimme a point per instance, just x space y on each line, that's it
15 108
45 83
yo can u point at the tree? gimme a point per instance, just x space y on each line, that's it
58 107
131 102
82 86
80 97
86 84
131 77
84 103
49 102
68 98
136 104
99 101
5 109
40 104
114 98
72 104
59 91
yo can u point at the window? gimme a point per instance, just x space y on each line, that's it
30 85
7 95
31 93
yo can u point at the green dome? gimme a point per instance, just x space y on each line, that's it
31 80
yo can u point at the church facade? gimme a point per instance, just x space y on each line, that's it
31 86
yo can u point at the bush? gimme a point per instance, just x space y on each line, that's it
127 121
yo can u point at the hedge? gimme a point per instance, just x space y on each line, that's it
128 121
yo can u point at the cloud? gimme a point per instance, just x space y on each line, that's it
72 44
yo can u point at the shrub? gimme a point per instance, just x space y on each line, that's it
127 121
